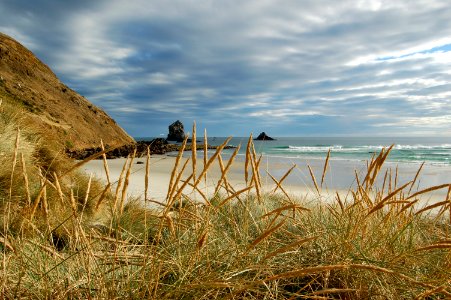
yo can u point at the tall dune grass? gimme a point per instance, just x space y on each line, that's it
240 244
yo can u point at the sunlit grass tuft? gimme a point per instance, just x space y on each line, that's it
67 236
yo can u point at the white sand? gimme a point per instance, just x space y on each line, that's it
339 178
161 167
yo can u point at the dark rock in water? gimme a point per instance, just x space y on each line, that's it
176 132
263 137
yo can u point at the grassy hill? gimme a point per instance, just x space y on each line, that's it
51 107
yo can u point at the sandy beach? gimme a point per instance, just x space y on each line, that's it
161 167
340 177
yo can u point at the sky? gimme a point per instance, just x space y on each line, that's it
289 68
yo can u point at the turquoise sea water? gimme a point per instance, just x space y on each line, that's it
431 150
348 156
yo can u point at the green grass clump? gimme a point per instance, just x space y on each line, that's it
239 244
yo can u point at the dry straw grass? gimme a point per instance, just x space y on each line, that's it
95 243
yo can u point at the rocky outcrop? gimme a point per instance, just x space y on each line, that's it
176 132
55 111
263 137
156 146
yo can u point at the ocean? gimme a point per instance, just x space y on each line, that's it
348 157
431 150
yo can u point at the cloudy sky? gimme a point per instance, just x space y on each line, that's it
290 68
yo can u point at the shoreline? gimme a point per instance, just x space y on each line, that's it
339 178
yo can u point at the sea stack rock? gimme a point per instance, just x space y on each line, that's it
176 132
263 137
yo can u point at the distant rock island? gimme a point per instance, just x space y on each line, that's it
264 137
176 132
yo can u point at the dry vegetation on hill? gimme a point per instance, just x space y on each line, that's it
51 106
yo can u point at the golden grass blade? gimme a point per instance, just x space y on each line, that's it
205 148
202 240
16 150
256 167
205 153
180 190
255 177
426 294
340 202
279 183
211 160
390 181
105 164
313 179
88 190
146 177
194 151
102 196
226 169
278 186
235 195
46 210
320 269
365 197
396 177
265 235
381 203
405 207
222 169
356 175
438 204
376 165
73 203
385 182
174 170
36 202
127 181
434 188
58 188
371 168
415 178
325 167
293 207
119 184
246 162
289 247
25 179
384 155
196 188
398 202
171 197
448 197
434 246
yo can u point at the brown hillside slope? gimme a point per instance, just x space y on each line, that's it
52 107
